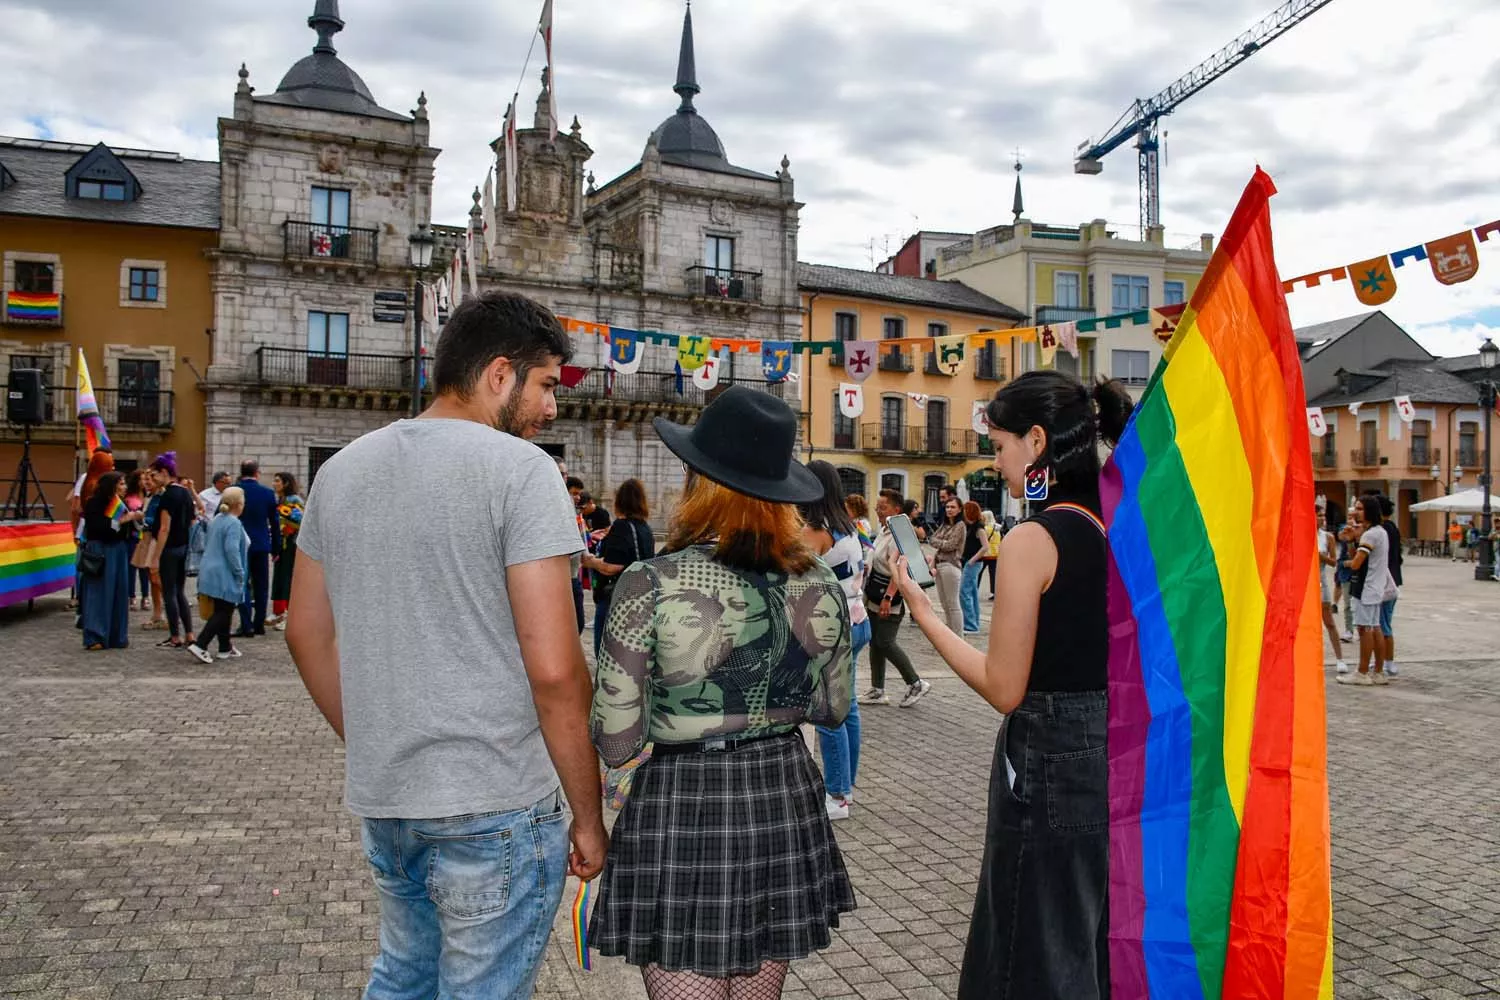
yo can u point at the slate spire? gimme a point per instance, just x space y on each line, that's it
326 22
687 69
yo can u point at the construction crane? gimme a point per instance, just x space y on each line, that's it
1140 121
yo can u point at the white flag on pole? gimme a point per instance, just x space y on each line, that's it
510 157
546 31
456 279
469 257
487 208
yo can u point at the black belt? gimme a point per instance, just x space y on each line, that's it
714 746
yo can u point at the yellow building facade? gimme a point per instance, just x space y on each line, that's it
107 252
1060 274
912 445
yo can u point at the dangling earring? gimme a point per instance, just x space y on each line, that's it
1036 482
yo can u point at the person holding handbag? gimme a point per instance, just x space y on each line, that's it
628 541
887 611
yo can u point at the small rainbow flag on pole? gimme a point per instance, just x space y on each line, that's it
581 926
88 408
1218 781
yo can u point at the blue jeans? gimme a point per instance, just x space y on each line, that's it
968 595
257 591
466 903
601 614
840 745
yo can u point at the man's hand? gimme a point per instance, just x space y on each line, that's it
590 844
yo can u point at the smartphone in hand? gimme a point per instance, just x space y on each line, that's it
911 548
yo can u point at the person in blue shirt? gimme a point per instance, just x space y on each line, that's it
263 524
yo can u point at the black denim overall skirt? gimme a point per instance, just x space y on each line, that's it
1041 915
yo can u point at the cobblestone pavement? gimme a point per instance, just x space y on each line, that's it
174 830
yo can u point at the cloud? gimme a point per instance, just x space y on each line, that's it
1376 119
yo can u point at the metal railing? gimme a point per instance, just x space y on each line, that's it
133 408
17 314
1325 460
657 387
1062 314
1363 458
1468 458
1421 456
895 360
988 364
294 366
920 440
316 241
723 283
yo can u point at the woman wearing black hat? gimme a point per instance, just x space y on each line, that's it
723 866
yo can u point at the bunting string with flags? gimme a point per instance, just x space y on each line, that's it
1453 259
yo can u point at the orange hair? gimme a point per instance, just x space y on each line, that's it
971 511
746 533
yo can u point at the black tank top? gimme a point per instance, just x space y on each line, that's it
1072 632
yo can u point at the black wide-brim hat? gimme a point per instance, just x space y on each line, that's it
744 441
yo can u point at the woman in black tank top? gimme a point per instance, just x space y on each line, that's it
1040 924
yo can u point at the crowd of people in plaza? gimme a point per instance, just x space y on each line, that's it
474 720
143 534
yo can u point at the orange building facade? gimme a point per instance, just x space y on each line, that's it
115 245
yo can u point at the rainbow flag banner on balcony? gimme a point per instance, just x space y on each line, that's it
35 306
1218 782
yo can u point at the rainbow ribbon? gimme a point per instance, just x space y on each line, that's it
581 926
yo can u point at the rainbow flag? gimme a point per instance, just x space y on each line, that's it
44 306
88 409
581 926
35 559
116 509
1219 838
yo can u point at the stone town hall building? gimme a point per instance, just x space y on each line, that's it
322 188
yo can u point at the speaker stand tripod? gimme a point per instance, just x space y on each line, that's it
19 505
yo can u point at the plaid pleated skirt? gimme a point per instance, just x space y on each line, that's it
722 861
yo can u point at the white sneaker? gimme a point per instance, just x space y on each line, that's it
232 654
281 624
837 808
914 693
1359 680
1379 679
1347 637
202 654
1391 671
875 696
1341 667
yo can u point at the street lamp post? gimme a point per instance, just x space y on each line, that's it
1488 355
421 258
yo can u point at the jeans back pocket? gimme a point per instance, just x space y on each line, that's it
468 875
1077 790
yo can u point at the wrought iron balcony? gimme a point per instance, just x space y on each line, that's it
304 240
722 283
1422 456
35 309
988 364
131 409
1468 456
1062 314
921 440
1325 459
1364 458
290 366
895 360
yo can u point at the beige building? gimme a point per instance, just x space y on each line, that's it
1058 274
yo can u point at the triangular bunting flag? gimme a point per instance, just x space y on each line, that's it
706 376
1163 326
1316 425
950 353
860 359
851 399
776 359
692 352
1374 281
1404 409
1067 337
625 350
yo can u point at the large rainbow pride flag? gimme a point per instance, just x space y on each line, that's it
35 559
1219 840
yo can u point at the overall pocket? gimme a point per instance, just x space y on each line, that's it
1077 798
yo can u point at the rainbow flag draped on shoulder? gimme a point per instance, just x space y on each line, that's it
1219 836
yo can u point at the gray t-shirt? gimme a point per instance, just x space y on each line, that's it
414 525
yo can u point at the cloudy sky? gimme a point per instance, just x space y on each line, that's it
1375 117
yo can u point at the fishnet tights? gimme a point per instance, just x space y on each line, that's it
763 985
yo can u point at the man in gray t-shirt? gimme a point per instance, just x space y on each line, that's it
430 619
